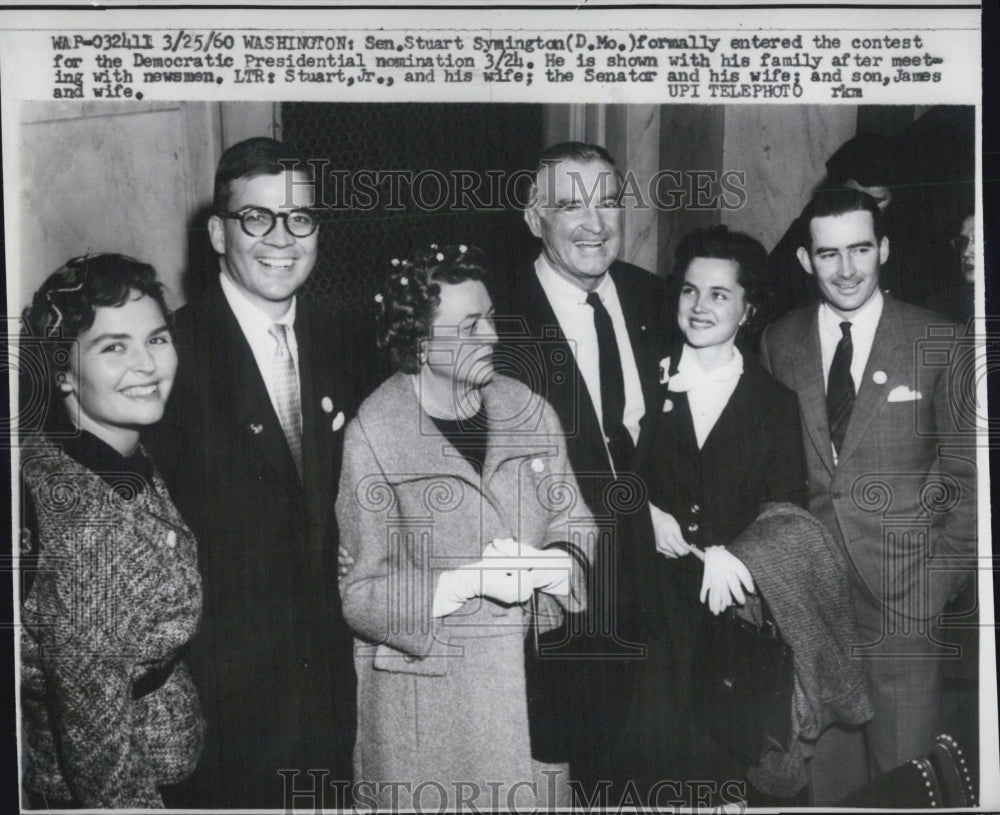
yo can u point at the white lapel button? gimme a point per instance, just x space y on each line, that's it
880 377
257 429
338 421
171 539
668 405
327 404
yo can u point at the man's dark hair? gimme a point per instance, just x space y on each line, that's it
248 159
839 202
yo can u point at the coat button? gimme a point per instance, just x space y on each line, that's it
692 528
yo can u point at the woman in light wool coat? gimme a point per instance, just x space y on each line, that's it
461 515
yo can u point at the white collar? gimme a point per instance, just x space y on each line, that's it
249 315
864 320
690 375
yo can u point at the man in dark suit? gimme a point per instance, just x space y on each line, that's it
891 474
250 449
592 347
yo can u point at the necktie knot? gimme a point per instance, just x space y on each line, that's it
845 329
280 333
594 300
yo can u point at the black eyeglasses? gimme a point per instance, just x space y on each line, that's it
259 221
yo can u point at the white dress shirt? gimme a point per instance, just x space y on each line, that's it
708 391
576 319
863 326
256 326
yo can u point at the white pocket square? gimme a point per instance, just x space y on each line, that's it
902 393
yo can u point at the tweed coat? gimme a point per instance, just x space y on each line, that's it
443 700
903 509
109 711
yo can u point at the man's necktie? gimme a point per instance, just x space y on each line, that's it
612 386
840 388
286 393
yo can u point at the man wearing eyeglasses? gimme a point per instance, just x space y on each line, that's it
250 448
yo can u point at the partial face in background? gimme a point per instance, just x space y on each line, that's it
881 193
462 335
268 269
578 220
845 259
712 303
121 377
968 233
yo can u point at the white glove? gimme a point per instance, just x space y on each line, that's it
547 570
498 576
723 576
454 588
667 532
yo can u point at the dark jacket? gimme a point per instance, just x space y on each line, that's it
584 699
752 455
273 659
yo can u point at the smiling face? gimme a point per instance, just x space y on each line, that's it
271 268
121 377
462 336
712 303
577 219
845 258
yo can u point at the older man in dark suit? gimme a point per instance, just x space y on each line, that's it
250 448
592 347
891 474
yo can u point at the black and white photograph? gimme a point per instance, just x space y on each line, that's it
498 410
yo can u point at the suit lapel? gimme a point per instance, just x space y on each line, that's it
575 406
321 404
872 396
811 388
635 310
250 403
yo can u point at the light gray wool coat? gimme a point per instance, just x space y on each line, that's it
116 597
441 702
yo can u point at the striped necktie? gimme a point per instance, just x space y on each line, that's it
286 393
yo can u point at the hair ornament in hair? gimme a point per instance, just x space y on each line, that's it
434 246
378 298
463 248
439 256
404 281
54 308
395 261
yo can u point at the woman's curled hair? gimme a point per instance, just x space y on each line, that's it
412 292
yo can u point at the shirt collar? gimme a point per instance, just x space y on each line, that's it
559 289
864 321
250 317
